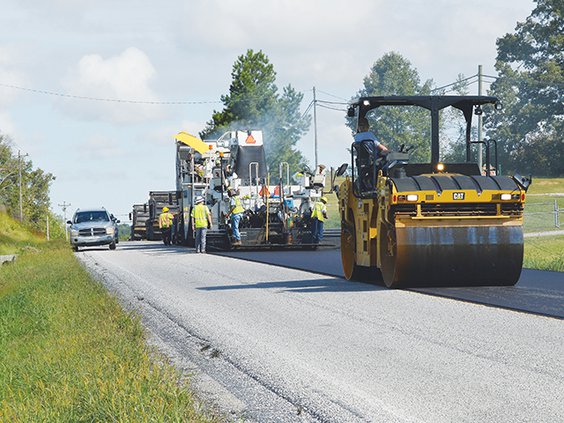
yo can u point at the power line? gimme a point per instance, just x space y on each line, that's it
112 100
331 108
527 81
454 83
331 102
307 109
332 95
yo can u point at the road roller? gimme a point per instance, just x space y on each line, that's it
431 224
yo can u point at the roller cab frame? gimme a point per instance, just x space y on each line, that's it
429 224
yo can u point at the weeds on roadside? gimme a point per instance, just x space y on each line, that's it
70 353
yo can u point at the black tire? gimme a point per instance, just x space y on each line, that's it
75 248
113 246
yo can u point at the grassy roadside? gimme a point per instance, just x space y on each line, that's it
14 237
70 353
544 253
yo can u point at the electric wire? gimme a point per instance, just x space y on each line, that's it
111 100
331 102
332 95
308 108
332 108
527 81
453 83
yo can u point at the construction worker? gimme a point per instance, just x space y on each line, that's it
318 216
165 225
236 212
364 134
201 221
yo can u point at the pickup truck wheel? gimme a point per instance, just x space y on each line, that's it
113 246
75 248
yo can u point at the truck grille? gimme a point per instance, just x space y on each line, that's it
92 232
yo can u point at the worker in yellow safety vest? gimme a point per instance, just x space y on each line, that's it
165 225
318 217
201 221
236 212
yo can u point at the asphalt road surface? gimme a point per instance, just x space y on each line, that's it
269 343
537 291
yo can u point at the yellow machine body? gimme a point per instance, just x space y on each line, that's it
458 237
429 224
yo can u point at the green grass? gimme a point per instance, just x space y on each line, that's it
545 253
334 220
14 237
546 186
69 353
539 205
539 213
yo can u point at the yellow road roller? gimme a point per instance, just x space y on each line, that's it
429 224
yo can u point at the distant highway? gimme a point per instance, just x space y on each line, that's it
270 343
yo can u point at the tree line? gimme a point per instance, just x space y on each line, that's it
528 130
18 175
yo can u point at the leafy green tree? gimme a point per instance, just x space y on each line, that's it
8 170
530 64
35 187
253 102
392 74
284 129
453 126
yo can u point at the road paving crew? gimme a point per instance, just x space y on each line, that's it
165 224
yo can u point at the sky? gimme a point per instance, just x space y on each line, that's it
111 154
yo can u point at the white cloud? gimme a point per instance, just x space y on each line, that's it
101 148
9 76
7 126
123 77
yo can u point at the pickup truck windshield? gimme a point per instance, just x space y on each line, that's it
91 216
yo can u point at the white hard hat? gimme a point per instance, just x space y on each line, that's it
199 199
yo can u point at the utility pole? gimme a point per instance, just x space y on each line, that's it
20 157
315 125
65 206
48 239
480 119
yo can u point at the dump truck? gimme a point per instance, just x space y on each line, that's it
277 207
138 217
158 200
429 224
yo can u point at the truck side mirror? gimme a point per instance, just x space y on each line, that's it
69 222
342 169
350 112
523 181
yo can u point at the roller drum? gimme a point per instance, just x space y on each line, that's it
452 256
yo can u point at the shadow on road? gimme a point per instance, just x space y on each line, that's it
303 286
154 247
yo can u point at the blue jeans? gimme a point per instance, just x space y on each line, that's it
317 231
201 239
235 219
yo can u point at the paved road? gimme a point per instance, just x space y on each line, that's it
537 291
275 344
